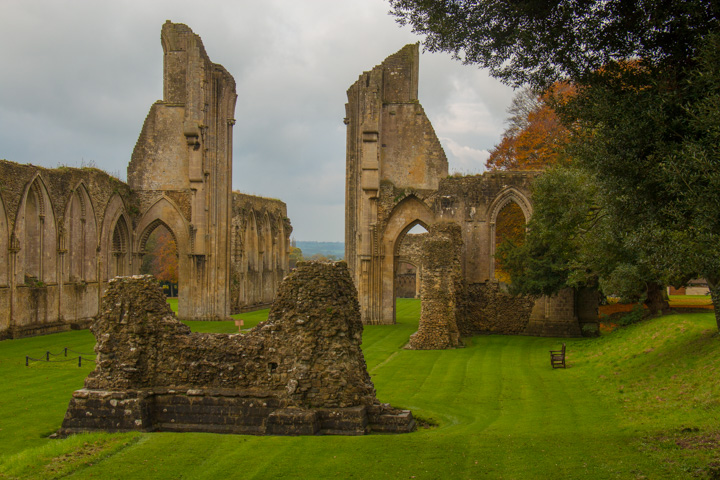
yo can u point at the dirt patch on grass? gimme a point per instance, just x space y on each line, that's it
692 440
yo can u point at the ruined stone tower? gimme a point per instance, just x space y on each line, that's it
181 170
390 141
396 178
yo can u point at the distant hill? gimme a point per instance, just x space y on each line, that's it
324 248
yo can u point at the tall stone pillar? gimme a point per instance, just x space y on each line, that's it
181 170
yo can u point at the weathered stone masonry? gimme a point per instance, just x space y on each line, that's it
65 232
300 372
397 177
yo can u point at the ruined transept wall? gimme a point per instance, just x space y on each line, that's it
181 168
65 232
396 178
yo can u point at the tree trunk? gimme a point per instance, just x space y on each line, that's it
715 295
656 301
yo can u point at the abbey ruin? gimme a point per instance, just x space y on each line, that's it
65 232
396 178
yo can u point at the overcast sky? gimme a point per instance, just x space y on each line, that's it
78 77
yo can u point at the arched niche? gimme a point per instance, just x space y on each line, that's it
80 237
4 245
116 240
280 248
251 244
509 197
36 233
268 264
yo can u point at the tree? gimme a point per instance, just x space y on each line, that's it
535 135
575 240
644 118
296 255
539 42
162 257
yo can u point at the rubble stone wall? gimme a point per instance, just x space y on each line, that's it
485 309
300 372
441 289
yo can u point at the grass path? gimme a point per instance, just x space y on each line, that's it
500 412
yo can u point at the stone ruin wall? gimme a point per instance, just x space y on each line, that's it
65 232
390 142
89 220
260 250
56 242
300 372
396 177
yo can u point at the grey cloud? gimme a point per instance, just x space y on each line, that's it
79 77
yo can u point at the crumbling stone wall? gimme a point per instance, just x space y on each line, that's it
260 250
484 308
441 289
300 372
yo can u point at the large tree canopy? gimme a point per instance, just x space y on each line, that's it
538 42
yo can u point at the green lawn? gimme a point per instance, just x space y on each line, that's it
641 402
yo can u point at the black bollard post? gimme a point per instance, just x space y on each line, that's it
79 361
47 356
26 360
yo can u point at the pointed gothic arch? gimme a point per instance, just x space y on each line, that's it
36 233
116 240
79 235
502 199
4 246
405 215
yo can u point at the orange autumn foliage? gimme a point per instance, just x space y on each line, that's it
163 261
533 142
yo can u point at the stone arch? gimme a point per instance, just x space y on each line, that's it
36 233
506 196
405 215
4 248
80 237
116 240
165 212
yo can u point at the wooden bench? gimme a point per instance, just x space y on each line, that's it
557 357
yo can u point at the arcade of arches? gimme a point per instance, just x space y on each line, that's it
397 177
65 232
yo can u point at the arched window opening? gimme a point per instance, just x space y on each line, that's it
509 227
160 258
